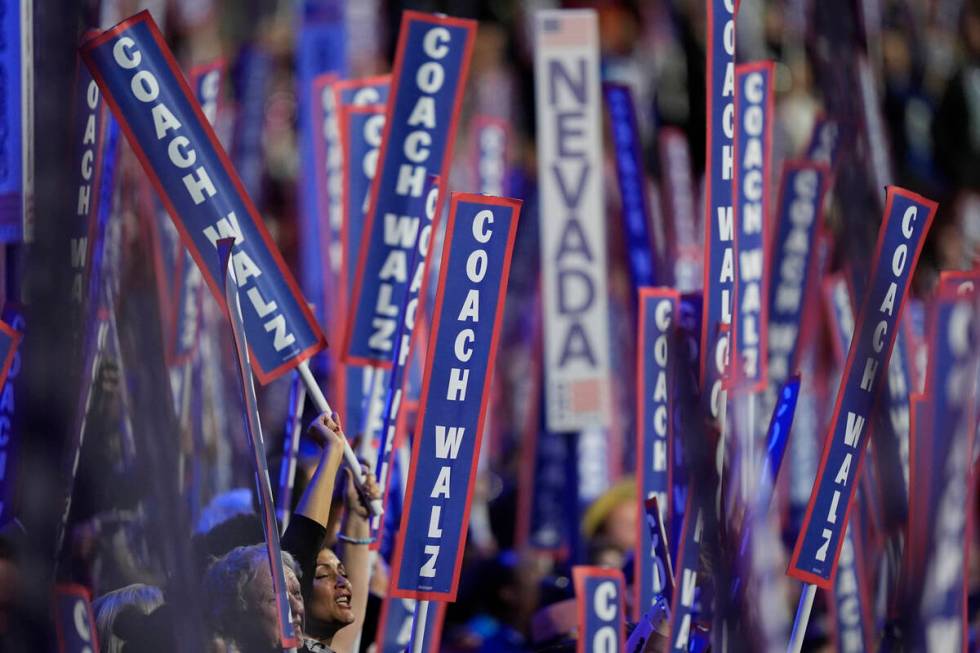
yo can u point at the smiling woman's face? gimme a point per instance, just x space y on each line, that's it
330 604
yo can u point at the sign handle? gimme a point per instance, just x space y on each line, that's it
349 457
802 618
418 626
287 469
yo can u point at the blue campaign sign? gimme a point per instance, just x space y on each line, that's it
395 626
14 123
800 211
779 428
682 606
906 222
840 313
251 76
206 81
362 92
321 47
851 606
360 129
10 366
754 116
637 220
89 138
73 619
392 397
196 182
320 240
954 354
455 392
659 308
600 597
430 72
825 142
653 574
719 226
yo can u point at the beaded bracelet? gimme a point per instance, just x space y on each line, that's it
355 540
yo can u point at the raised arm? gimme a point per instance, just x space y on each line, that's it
356 557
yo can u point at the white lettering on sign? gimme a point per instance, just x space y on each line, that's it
198 184
448 438
751 216
79 245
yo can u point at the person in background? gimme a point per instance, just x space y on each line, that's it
241 599
610 523
143 598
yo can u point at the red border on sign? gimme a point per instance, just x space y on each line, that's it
407 17
456 199
793 569
81 592
168 57
770 115
349 84
8 359
581 573
641 418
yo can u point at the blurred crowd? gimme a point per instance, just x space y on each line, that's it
172 549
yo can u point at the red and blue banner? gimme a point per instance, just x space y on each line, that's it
800 207
754 116
361 128
195 180
395 626
461 353
430 72
320 240
949 482
321 48
840 314
253 70
851 603
600 598
362 92
906 221
633 191
659 308
74 621
11 332
719 226
91 123
409 313
653 575
206 81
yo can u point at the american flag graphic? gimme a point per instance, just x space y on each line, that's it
567 28
581 396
